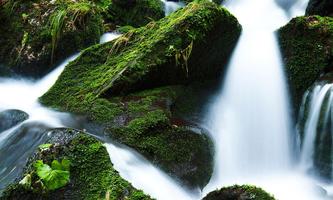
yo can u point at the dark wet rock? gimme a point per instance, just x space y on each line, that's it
10 118
16 148
320 7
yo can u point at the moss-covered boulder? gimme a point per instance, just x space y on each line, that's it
307 48
135 13
244 192
146 122
192 44
320 7
36 35
92 175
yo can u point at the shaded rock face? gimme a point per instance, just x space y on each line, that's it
119 84
10 118
306 44
236 192
91 172
320 7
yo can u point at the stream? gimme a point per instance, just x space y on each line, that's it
248 119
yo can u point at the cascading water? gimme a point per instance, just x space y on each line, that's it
19 142
315 127
171 6
250 121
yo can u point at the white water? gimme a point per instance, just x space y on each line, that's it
106 37
170 6
143 175
23 94
250 120
318 96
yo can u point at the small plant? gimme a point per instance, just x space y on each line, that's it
54 176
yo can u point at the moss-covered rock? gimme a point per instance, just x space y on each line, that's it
36 35
146 123
306 44
135 13
92 175
320 7
192 44
244 192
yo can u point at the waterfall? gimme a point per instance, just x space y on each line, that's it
250 119
315 126
171 6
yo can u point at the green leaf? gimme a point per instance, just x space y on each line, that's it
56 179
43 170
44 146
56 165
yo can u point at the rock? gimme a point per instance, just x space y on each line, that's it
149 126
16 148
92 175
320 7
145 58
244 192
39 43
135 13
306 45
106 83
10 118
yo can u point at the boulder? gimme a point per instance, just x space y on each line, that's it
10 118
306 45
92 175
244 192
106 83
37 35
320 7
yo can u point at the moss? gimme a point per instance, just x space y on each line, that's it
136 15
243 192
106 83
92 175
145 58
306 44
38 43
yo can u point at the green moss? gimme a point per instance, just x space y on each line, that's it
306 44
55 30
139 14
106 83
92 175
239 192
145 58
